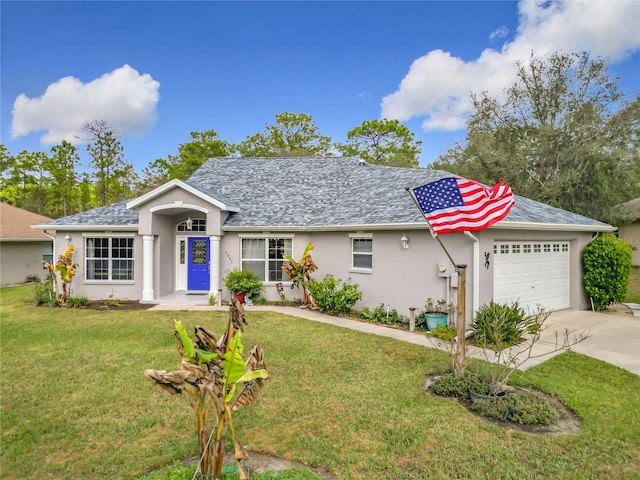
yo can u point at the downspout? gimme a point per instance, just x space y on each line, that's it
52 237
53 256
476 272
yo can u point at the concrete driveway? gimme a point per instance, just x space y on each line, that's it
615 337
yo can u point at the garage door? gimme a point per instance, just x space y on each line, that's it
533 273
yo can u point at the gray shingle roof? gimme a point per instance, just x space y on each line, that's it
115 214
317 192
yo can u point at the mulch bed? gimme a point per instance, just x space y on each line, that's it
118 305
566 422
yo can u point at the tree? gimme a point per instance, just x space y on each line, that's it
107 159
86 192
293 135
563 135
62 169
24 181
190 157
383 142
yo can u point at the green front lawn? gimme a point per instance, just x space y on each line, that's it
75 404
633 294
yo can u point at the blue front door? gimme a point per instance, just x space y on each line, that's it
198 264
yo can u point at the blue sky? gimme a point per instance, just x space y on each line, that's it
158 70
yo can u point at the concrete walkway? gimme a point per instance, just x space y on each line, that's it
615 337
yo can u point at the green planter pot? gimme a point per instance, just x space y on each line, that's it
435 320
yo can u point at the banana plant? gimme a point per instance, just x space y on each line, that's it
300 273
62 273
215 374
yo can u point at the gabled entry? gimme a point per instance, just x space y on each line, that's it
198 277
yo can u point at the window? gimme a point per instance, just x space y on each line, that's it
263 256
504 249
109 258
192 225
527 248
515 248
362 253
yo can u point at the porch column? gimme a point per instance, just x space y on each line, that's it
214 265
147 268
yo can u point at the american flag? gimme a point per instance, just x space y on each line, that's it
458 204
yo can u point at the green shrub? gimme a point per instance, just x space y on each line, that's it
333 298
243 281
42 293
527 408
500 326
607 268
380 314
450 385
259 301
77 302
443 333
33 278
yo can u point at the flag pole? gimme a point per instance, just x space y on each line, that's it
433 234
460 362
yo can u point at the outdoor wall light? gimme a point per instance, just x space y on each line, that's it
189 223
67 237
404 241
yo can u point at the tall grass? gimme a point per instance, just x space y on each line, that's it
74 403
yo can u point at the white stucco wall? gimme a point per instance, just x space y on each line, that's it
401 278
631 235
100 290
19 259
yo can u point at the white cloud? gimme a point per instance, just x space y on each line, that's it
437 85
123 98
499 33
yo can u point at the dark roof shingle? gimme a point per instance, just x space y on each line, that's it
317 192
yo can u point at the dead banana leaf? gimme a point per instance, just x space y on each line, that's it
205 339
241 455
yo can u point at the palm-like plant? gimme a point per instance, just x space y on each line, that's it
62 273
300 273
214 373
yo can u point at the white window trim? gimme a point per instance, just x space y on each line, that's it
265 236
360 236
86 235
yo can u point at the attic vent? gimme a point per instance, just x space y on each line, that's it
361 162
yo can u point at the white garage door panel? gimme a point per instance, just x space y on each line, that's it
532 273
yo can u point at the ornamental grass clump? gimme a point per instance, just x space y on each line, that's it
497 331
214 373
502 325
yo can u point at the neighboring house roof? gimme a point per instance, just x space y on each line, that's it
631 208
321 193
15 224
